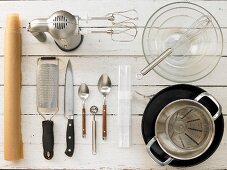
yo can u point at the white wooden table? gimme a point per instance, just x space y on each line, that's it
97 55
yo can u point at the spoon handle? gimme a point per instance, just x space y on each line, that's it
94 136
104 122
83 123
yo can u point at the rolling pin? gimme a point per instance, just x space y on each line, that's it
13 146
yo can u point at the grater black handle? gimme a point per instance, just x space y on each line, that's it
48 58
48 139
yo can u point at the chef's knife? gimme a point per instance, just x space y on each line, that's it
69 109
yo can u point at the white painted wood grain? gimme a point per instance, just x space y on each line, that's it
88 70
108 153
108 157
93 44
32 130
97 55
145 8
28 99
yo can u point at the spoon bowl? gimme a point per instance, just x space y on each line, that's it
83 91
104 86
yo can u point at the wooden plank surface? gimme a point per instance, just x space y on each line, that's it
32 128
88 70
108 154
98 55
86 8
28 103
98 44
107 159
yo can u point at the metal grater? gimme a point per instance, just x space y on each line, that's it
47 86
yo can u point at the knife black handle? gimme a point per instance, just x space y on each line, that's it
70 138
48 139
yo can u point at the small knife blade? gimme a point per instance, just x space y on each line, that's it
69 109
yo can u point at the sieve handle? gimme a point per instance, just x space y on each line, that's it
205 94
48 139
149 145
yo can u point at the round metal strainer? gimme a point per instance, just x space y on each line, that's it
184 129
189 127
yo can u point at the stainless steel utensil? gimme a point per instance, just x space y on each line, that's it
47 100
94 110
182 45
123 27
185 129
156 106
83 93
69 110
68 35
62 26
104 86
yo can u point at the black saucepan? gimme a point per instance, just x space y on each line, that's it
162 99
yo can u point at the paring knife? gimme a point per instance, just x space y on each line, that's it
69 109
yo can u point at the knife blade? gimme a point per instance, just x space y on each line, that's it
69 110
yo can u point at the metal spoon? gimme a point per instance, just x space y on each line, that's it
83 93
104 86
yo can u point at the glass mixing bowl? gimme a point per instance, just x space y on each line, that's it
166 26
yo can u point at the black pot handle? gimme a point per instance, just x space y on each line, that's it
149 145
205 94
